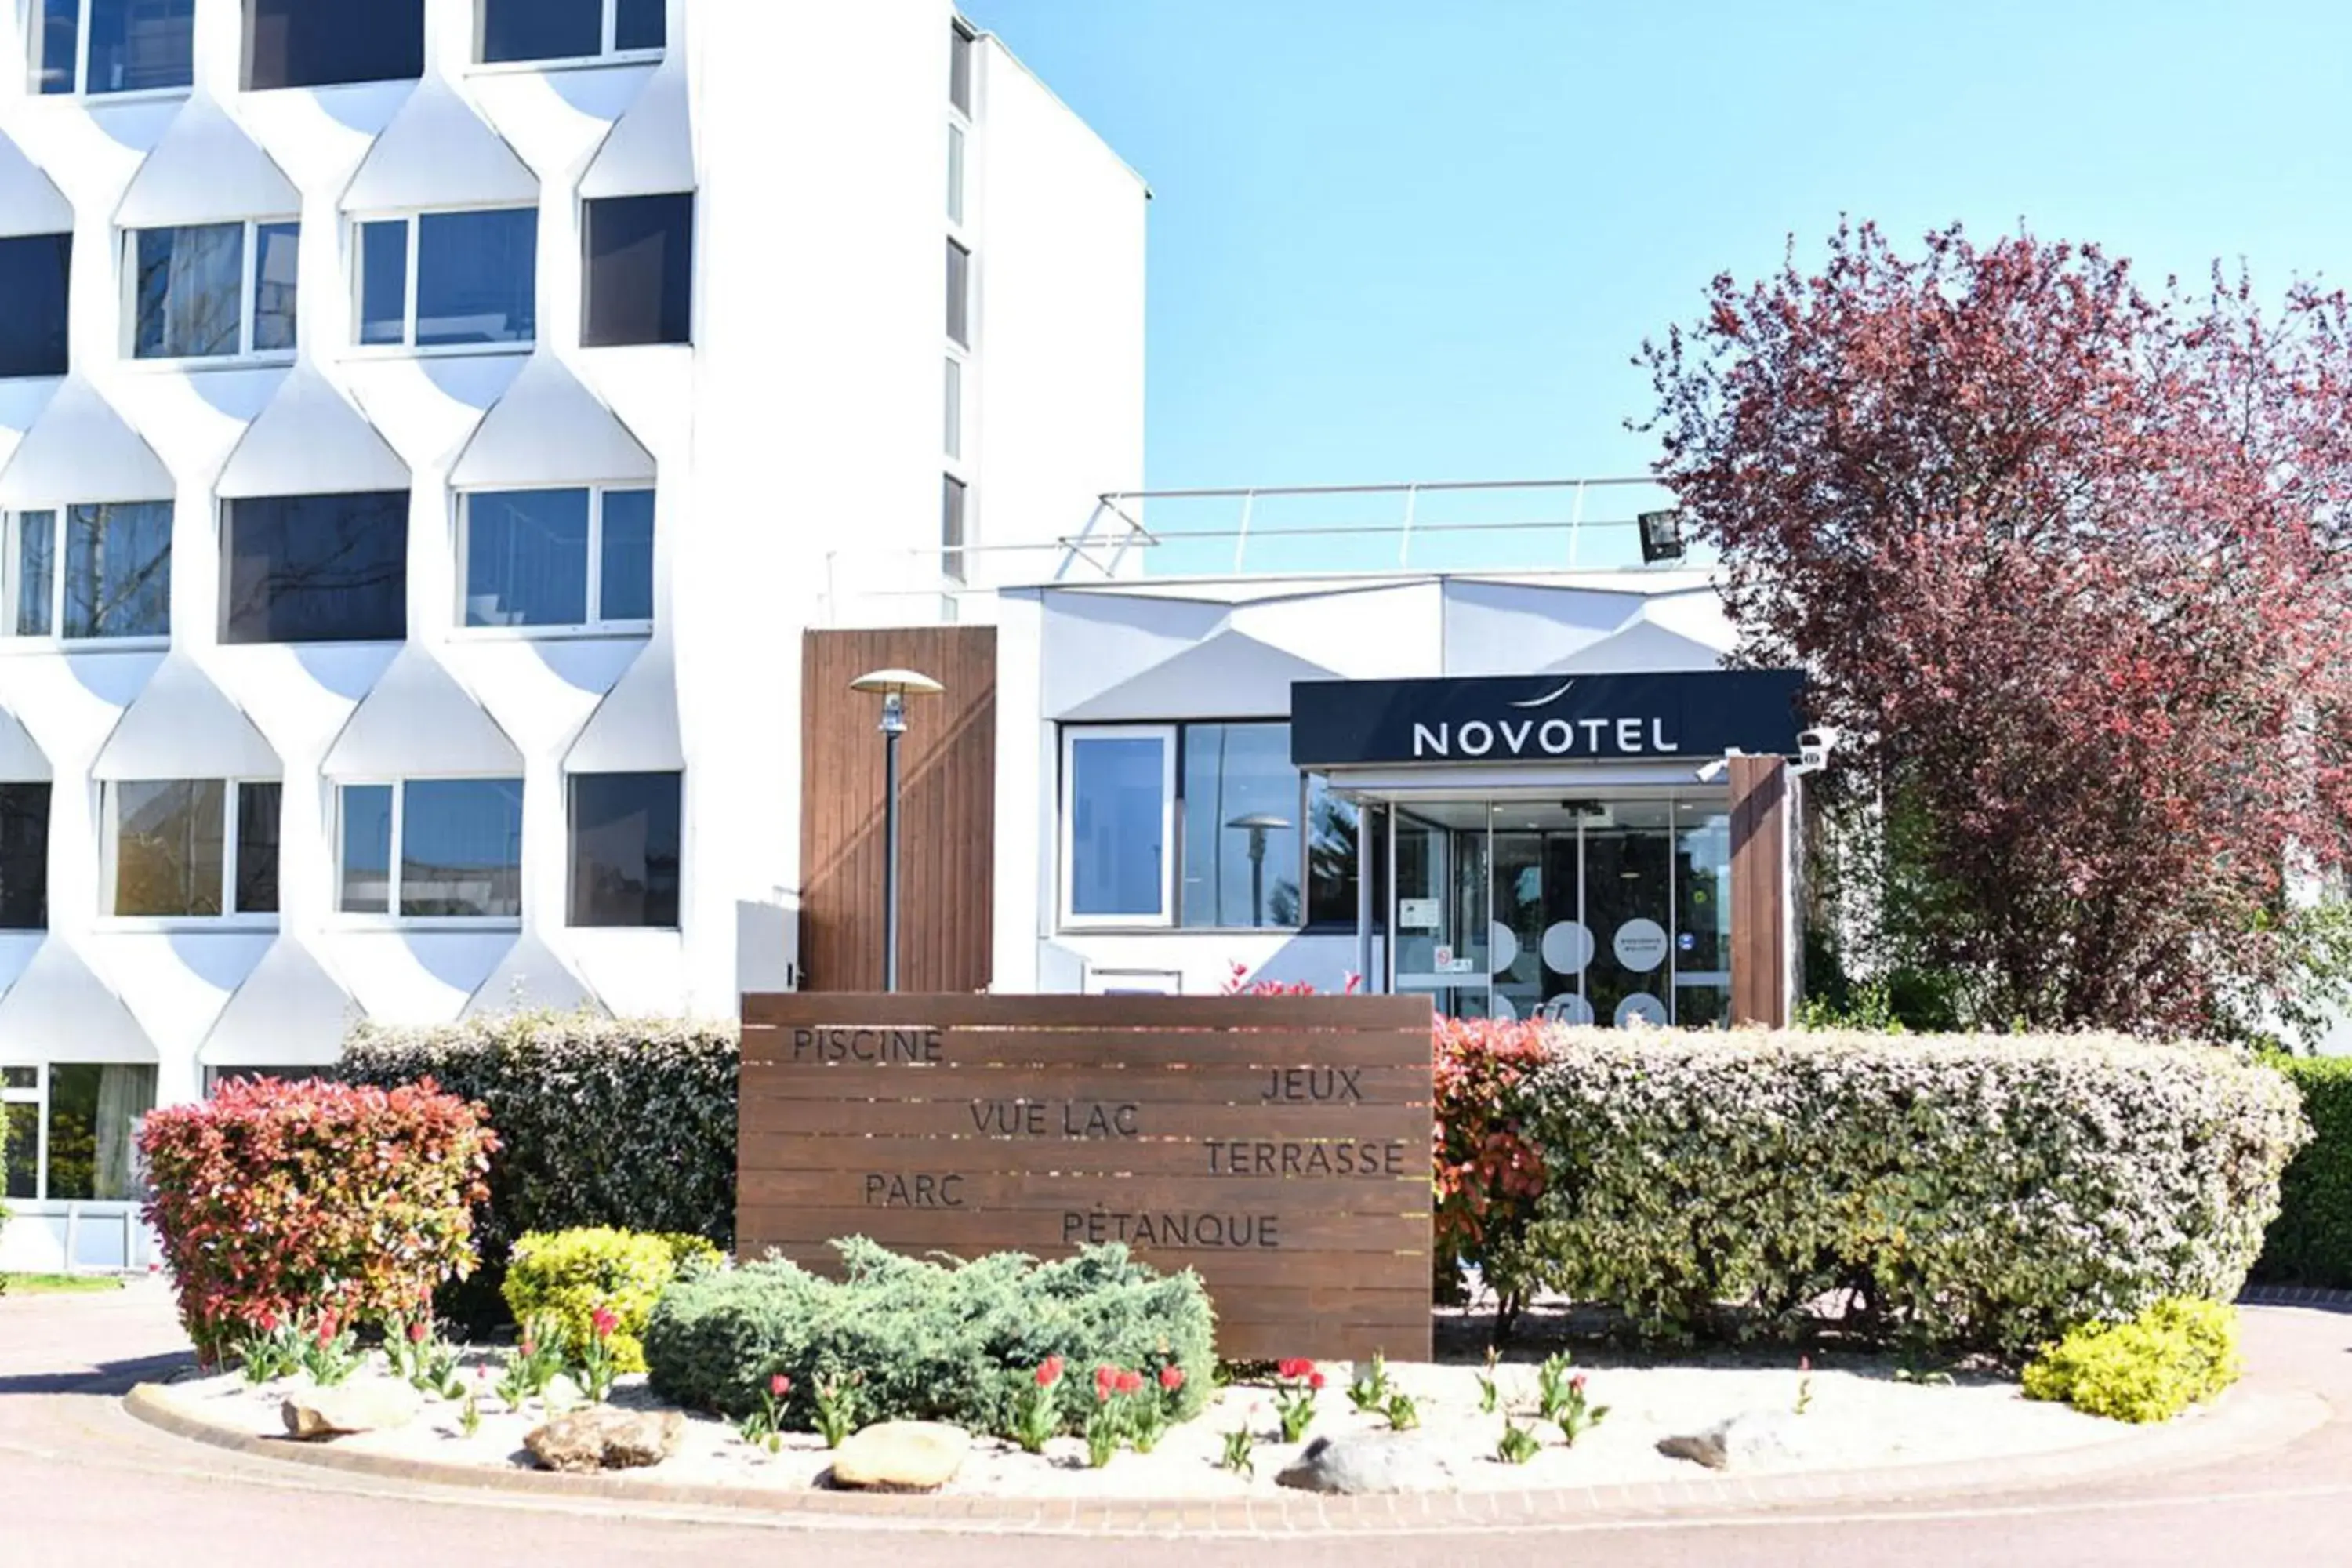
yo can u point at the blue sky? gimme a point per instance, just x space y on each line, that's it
1421 239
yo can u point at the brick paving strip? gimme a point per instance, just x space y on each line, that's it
2240 1424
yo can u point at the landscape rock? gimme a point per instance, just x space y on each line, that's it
1369 1462
603 1438
1744 1442
901 1456
313 1415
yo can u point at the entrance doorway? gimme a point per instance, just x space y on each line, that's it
1613 911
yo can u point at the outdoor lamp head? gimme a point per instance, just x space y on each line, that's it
896 685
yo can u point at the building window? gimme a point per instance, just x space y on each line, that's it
72 1128
214 292
625 839
450 280
955 407
955 174
1220 804
570 29
581 557
1117 814
35 278
326 43
953 540
1332 859
329 568
24 857
639 282
114 46
958 295
457 844
194 847
114 579
960 42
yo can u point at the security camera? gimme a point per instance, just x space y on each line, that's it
1814 746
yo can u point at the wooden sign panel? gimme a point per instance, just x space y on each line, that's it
1279 1145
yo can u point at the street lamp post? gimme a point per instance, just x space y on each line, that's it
1258 824
895 686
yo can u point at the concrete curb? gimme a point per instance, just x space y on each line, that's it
2241 1424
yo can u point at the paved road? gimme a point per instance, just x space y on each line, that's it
81 1483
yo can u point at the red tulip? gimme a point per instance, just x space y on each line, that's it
1315 1381
416 1331
780 1386
1049 1372
1294 1368
603 1320
530 1348
1106 1382
1172 1378
1131 1383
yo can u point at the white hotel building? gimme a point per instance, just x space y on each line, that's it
426 428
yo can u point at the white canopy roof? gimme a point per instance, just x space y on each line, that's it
311 441
550 429
185 727
80 450
634 728
30 203
205 170
61 1011
290 1012
531 977
21 761
419 722
437 152
650 150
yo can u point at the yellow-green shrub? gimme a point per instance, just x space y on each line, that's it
562 1277
2178 1352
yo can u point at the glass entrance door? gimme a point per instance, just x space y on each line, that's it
1611 911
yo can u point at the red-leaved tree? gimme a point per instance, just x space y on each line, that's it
2068 559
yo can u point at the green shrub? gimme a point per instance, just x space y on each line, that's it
932 1340
2178 1352
627 1122
564 1276
1980 1192
2310 1243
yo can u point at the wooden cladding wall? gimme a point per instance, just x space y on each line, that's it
1278 1145
947 803
1759 860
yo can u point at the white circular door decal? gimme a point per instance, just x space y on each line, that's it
1643 1009
1567 947
1502 947
1568 1008
1640 945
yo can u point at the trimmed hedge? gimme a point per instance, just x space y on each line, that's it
931 1342
1986 1191
625 1122
2310 1241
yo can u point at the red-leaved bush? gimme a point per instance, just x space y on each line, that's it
1488 1175
279 1200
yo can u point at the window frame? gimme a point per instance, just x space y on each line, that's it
356 283
12 565
391 918
598 624
230 917
610 55
38 1098
1170 818
249 303
32 14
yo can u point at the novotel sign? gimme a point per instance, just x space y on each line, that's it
1696 714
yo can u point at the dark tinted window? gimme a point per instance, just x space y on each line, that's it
330 568
627 574
24 857
960 294
641 24
639 286
477 277
319 43
625 848
257 811
33 273
541 29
